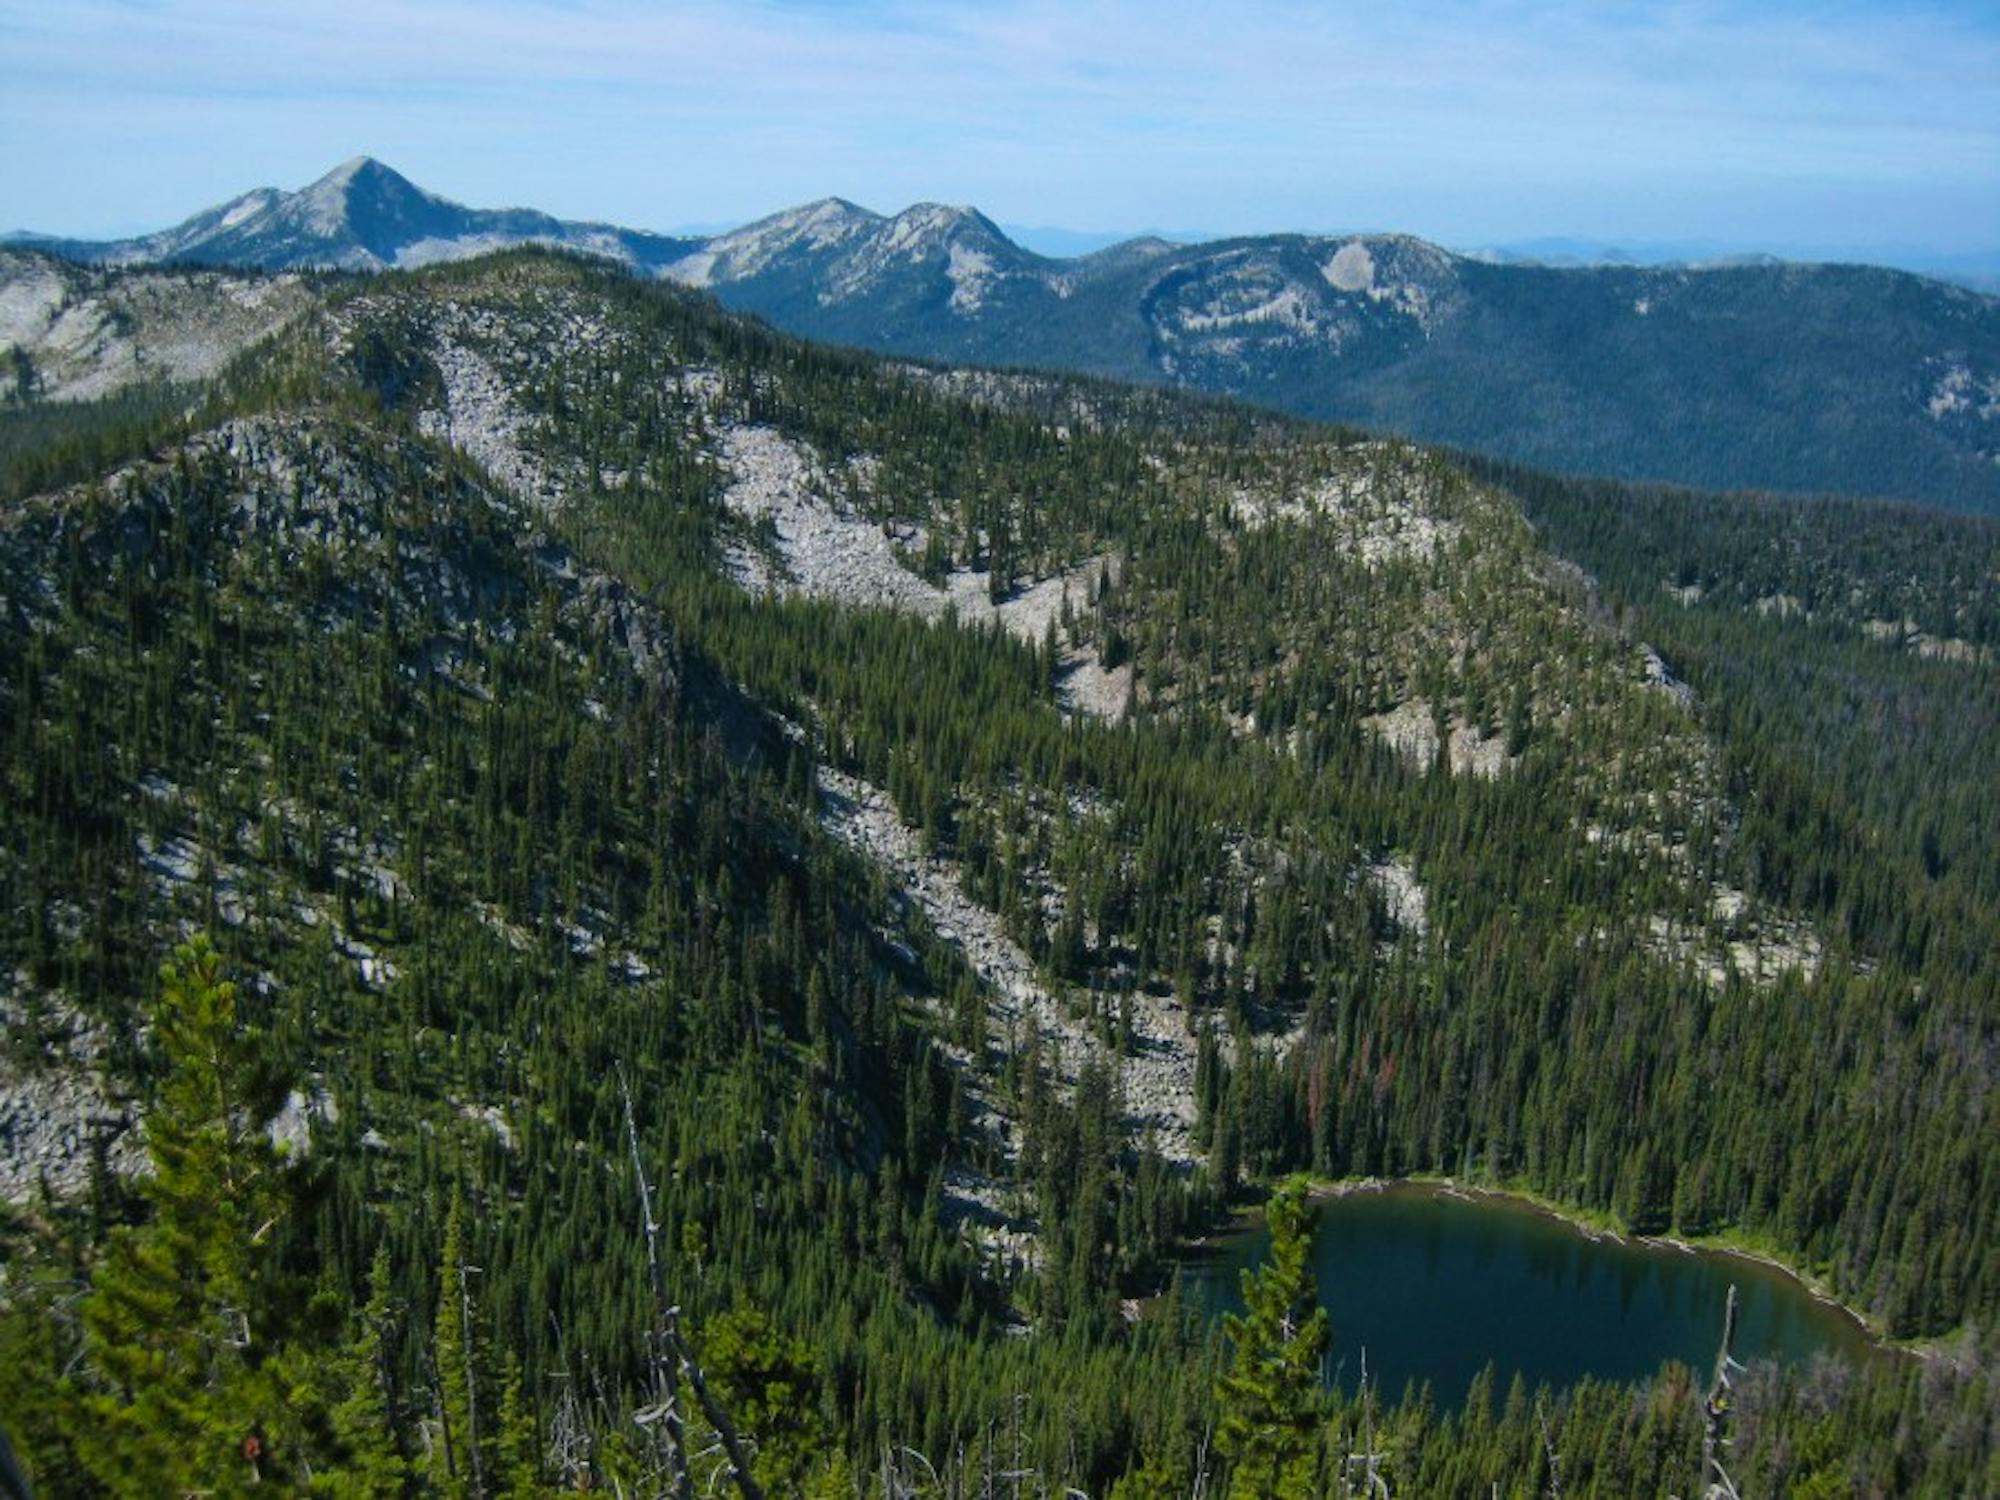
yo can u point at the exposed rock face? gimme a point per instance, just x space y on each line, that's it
1661 676
823 551
479 417
86 334
57 1115
1411 730
1404 895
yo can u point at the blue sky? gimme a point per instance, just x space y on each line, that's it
1830 124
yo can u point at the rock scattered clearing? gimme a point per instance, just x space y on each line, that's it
820 551
1158 1079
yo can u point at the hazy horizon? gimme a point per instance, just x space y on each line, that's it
1843 127
1062 241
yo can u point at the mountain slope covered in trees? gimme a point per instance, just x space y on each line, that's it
948 833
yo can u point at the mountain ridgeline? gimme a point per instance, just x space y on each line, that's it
1813 378
361 216
842 867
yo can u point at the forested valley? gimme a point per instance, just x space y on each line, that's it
615 900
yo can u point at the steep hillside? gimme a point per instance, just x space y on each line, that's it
953 832
74 334
1817 378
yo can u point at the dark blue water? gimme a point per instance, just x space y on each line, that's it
1434 1286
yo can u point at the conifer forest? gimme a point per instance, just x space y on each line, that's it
596 897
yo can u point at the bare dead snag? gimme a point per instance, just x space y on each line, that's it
667 1343
1364 1469
1549 1448
661 1421
473 1460
1717 1410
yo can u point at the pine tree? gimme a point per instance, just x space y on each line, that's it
520 1464
185 1325
1153 1479
769 1383
458 1458
373 1466
1271 1397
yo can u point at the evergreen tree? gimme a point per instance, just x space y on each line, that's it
518 1449
1154 1479
1271 1398
769 1383
458 1457
373 1466
195 1389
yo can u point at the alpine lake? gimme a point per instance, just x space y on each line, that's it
1432 1285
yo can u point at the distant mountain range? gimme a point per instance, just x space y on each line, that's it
1738 374
1979 271
361 216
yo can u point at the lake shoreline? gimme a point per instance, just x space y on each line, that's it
1718 1247
1441 1278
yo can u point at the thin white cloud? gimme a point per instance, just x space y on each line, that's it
1239 116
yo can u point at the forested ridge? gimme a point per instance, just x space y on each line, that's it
1799 376
503 801
1796 377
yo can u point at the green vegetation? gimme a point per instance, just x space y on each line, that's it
187 1319
46 445
1271 1395
1808 378
489 807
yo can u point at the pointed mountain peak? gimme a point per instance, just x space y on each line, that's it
355 168
365 186
364 175
371 207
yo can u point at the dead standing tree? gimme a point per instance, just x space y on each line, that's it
1362 1472
666 1347
1549 1450
1717 1410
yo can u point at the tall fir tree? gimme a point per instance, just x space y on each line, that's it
1271 1397
516 1441
458 1456
363 1418
195 1387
